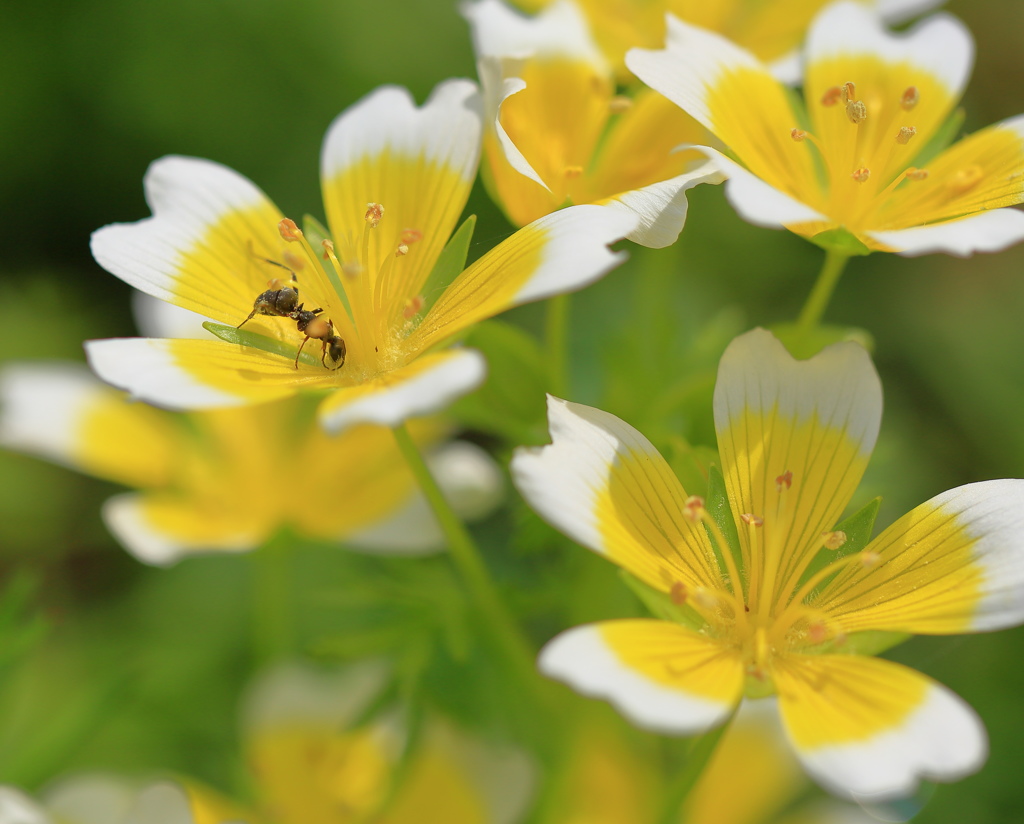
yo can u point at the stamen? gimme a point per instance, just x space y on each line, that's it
678 593
289 230
704 598
572 171
410 236
849 92
833 540
328 249
352 269
910 98
966 179
869 558
856 111
620 104
401 250
693 508
374 214
861 175
413 307
817 632
784 480
904 135
798 135
293 261
752 520
832 96
916 174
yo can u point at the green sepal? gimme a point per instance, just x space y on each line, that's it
803 345
661 605
840 240
868 642
450 263
243 337
858 528
510 403
691 464
717 504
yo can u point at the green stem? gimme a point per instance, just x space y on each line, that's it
470 566
271 622
697 759
556 329
817 301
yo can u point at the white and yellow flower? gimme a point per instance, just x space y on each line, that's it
772 31
230 479
556 132
781 608
861 171
395 180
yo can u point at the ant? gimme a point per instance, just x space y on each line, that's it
283 302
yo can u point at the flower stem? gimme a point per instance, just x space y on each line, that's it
697 759
271 620
470 566
556 331
817 301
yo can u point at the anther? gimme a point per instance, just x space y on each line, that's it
869 558
916 174
289 230
704 599
966 179
910 98
856 111
293 261
817 632
798 135
693 507
351 269
784 480
904 134
413 307
572 171
831 96
678 593
410 236
374 214
751 520
833 540
328 248
861 175
620 104
849 92
401 250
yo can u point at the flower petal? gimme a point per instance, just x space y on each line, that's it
18 808
605 485
497 143
205 246
983 232
869 728
559 253
761 203
426 385
660 675
160 529
418 163
199 374
795 438
559 30
953 564
61 412
157 318
661 207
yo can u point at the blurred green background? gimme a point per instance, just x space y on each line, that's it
134 668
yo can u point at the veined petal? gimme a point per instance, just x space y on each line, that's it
660 675
61 412
160 529
425 385
733 95
497 144
207 244
157 318
18 808
199 374
953 564
869 728
983 232
760 202
795 438
607 487
561 252
418 163
661 207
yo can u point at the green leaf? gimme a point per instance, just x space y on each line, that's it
858 528
243 337
660 604
840 240
450 263
803 345
511 401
